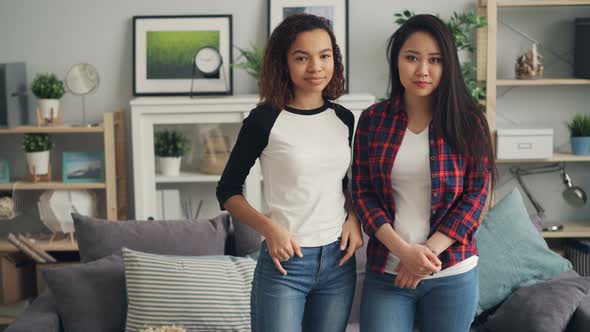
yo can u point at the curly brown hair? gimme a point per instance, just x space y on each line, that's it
276 87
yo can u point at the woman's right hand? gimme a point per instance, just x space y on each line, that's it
419 260
281 246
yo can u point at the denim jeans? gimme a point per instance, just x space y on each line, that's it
445 304
316 294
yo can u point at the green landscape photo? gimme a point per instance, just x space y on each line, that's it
170 53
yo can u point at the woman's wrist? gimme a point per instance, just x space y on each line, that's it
432 250
267 228
401 249
391 240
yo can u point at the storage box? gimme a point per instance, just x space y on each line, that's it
17 278
524 143
578 252
582 48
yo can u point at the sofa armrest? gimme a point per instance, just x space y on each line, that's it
41 315
580 321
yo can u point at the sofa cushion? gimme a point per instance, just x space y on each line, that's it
99 238
90 297
41 315
546 306
512 253
208 293
246 240
580 321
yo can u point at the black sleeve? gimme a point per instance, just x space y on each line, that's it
348 118
251 141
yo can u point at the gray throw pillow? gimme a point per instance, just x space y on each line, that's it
90 297
543 307
246 239
99 238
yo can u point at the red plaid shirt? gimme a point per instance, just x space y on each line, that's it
459 190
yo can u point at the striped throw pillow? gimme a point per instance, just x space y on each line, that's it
205 293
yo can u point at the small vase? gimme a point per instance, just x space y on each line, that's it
169 166
49 108
38 162
581 145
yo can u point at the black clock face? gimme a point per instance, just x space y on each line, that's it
208 60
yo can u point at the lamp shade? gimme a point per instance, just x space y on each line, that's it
56 207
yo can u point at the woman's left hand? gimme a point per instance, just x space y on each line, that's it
351 239
405 279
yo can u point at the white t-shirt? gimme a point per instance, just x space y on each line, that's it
411 183
304 157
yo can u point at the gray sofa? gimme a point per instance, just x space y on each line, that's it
42 314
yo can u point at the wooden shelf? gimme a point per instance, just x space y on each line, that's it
56 245
7 320
52 130
187 177
52 185
544 3
543 82
570 230
557 157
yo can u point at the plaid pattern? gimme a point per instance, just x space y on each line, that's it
459 191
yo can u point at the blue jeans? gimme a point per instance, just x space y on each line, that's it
445 304
316 294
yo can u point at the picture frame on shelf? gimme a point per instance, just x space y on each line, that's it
182 55
4 171
334 10
83 167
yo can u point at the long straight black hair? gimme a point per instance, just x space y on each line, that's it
457 117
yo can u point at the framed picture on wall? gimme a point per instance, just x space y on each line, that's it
83 167
334 10
182 55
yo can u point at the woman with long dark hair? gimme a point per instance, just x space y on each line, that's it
422 169
306 273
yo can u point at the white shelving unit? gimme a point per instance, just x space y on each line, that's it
187 177
487 48
148 112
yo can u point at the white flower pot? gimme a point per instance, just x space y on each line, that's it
48 107
169 166
38 162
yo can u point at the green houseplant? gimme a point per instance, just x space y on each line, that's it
579 129
170 146
463 27
48 89
251 60
37 147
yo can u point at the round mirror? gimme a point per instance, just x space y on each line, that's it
81 79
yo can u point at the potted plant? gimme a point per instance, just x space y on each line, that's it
170 146
37 148
48 89
251 60
579 129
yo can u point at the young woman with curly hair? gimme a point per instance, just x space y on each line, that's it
306 273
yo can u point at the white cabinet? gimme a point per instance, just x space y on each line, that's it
148 113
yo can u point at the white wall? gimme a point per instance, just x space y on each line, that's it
53 35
